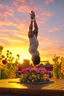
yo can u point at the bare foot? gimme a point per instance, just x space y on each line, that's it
32 15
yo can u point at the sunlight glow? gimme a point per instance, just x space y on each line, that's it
24 54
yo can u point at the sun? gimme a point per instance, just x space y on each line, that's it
24 54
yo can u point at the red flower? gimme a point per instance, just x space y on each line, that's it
4 61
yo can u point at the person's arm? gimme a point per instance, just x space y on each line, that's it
30 33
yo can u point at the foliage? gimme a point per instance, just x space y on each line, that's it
58 69
62 67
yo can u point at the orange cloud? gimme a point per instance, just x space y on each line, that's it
14 36
49 1
12 39
23 25
43 41
48 48
4 42
47 53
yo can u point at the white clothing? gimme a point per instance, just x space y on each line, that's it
33 46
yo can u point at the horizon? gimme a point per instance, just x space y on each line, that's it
14 25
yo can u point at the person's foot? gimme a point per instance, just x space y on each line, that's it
32 15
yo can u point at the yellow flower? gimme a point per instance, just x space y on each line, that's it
54 77
33 80
54 66
62 71
22 76
45 76
12 76
33 76
28 81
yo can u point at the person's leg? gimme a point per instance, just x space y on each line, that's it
31 25
32 16
34 19
35 24
35 28
30 32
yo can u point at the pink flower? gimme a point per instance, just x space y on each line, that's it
30 77
38 75
40 69
25 75
23 71
28 69
42 72
47 79
46 72
33 70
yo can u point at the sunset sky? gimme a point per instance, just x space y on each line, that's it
14 24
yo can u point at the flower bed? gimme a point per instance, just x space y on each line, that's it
8 69
33 75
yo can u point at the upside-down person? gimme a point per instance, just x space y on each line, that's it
32 34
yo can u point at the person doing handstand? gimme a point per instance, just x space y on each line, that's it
32 34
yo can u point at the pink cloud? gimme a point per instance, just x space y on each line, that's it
6 10
47 13
31 1
21 6
22 24
6 22
49 1
24 7
56 29
43 15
